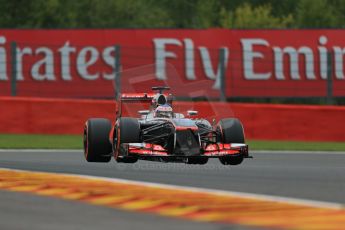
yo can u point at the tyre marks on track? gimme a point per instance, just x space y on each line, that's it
174 202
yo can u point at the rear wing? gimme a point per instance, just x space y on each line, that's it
142 99
137 97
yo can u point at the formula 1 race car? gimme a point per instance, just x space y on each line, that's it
160 134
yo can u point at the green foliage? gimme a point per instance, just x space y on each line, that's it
246 16
127 13
206 14
172 14
317 14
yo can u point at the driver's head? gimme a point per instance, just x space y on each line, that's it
164 111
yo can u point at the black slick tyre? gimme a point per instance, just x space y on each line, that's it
231 160
231 131
97 147
127 131
197 160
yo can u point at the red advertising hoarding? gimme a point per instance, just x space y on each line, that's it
259 63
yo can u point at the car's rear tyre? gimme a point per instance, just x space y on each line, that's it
231 131
97 147
127 131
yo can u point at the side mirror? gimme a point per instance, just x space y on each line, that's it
143 112
192 113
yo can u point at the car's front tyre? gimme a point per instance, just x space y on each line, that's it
197 160
127 130
231 131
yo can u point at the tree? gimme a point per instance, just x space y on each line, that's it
128 14
14 14
317 14
247 16
172 14
206 14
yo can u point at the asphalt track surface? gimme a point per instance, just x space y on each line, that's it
319 177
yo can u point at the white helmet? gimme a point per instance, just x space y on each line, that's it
163 111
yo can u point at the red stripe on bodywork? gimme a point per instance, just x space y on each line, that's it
147 152
222 153
179 128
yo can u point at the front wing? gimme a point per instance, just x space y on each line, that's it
211 151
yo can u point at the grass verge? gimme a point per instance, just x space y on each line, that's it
296 145
28 141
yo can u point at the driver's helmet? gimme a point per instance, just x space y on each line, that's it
163 111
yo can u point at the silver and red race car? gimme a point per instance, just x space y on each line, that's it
160 134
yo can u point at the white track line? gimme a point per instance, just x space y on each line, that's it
279 199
